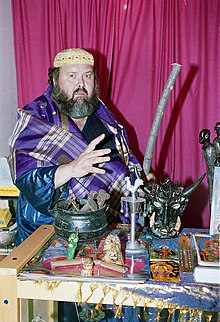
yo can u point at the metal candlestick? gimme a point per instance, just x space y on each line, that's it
132 205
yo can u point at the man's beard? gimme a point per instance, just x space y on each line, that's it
76 108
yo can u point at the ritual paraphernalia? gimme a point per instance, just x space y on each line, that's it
131 206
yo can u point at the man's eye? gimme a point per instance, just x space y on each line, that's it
88 76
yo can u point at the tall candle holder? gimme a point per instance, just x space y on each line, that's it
131 206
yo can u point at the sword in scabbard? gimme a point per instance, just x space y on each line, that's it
158 117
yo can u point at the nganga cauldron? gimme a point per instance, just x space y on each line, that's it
90 224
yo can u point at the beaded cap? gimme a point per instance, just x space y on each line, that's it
73 56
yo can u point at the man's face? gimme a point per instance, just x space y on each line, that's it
77 81
75 92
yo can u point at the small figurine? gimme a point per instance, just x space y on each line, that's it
133 188
216 140
211 152
72 244
209 155
112 250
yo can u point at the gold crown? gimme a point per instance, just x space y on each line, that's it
73 56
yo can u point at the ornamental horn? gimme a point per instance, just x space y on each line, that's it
188 191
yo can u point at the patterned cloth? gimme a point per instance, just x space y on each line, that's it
43 139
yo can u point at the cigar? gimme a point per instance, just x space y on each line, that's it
112 266
87 262
66 262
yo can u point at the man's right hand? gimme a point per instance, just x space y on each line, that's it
87 162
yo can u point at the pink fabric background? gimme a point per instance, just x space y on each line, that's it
135 43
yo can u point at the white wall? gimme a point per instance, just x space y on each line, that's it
8 91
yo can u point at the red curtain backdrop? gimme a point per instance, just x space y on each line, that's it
135 43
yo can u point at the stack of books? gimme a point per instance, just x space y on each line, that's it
206 253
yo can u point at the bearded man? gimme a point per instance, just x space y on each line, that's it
67 142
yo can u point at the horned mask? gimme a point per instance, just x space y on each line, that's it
166 204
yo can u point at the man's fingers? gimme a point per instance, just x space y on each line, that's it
97 170
99 153
94 143
100 160
90 160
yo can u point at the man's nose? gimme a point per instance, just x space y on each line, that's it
80 80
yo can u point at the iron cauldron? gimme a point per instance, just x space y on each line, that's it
89 224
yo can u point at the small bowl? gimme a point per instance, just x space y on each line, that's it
7 235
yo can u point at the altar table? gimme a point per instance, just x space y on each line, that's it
184 295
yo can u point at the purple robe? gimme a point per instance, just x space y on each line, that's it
44 138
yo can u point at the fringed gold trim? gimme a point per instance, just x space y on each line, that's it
136 299
80 294
120 295
118 312
183 313
92 287
105 290
159 309
114 297
50 285
208 315
170 311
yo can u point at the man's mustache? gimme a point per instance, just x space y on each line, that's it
80 89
